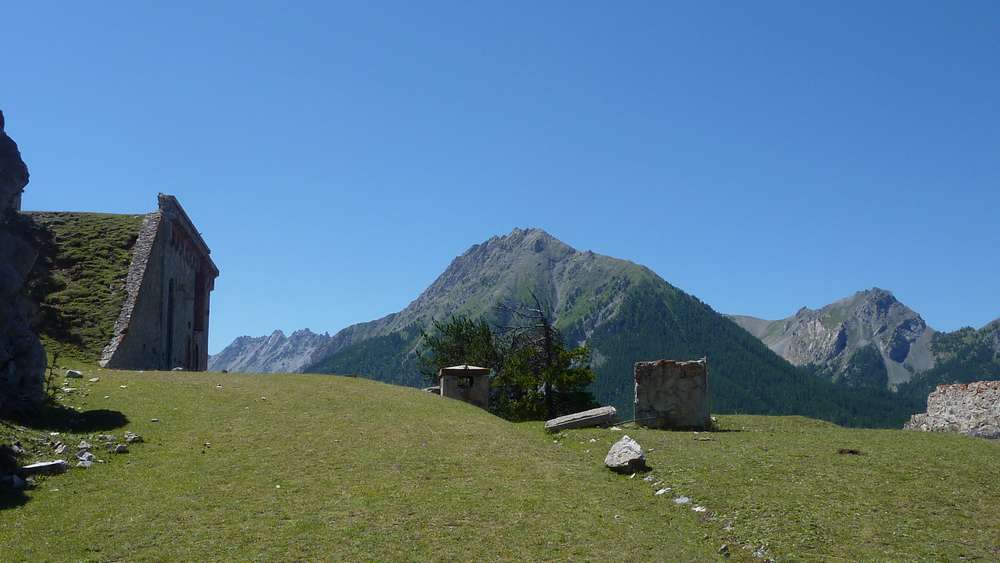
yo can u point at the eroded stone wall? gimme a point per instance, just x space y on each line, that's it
672 394
164 323
967 408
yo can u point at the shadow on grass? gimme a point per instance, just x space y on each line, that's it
9 497
60 418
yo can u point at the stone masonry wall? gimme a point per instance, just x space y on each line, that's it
972 408
161 325
672 394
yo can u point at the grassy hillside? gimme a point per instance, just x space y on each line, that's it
280 467
79 279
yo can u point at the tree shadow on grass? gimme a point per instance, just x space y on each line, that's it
64 419
9 497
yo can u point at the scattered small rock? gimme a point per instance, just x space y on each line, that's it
626 456
85 456
60 448
84 464
133 438
615 428
218 386
699 509
154 420
682 500
94 379
118 449
724 550
74 374
178 368
83 445
662 491
649 478
106 437
123 386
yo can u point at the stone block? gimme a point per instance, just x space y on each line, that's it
672 394
601 416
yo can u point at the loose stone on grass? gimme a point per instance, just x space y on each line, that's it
74 374
626 456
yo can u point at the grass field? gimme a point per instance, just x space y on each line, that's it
286 467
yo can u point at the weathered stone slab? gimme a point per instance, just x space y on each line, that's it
600 416
966 408
672 394
626 456
45 468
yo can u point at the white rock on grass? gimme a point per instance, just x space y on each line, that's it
73 373
626 456
133 438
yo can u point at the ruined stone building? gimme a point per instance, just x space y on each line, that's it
163 322
125 291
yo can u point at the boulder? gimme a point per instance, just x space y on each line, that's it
45 468
601 416
22 358
133 438
72 373
626 456
966 408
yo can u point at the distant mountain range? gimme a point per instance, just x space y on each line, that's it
623 311
275 353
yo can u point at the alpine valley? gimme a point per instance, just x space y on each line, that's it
857 362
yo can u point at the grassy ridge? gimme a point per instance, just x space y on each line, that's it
79 279
279 467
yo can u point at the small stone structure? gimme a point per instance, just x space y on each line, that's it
466 383
967 408
163 323
672 394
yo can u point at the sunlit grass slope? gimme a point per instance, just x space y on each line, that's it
284 467
332 468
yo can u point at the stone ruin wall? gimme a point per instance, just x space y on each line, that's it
164 321
672 394
967 408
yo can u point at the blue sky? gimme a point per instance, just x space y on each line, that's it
760 155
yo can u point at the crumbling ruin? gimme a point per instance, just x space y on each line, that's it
672 394
163 322
967 408
466 383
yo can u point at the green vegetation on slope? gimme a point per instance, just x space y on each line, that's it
963 356
282 467
660 321
79 279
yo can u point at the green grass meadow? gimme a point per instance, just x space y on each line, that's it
303 467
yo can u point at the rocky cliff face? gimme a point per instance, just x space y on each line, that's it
868 333
22 358
276 353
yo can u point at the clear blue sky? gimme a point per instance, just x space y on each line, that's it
760 155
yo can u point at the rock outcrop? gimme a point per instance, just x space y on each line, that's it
967 408
869 339
22 358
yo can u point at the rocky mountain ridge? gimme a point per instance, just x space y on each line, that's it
869 338
274 353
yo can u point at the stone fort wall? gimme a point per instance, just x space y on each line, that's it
164 321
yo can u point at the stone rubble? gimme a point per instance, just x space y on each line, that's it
967 408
